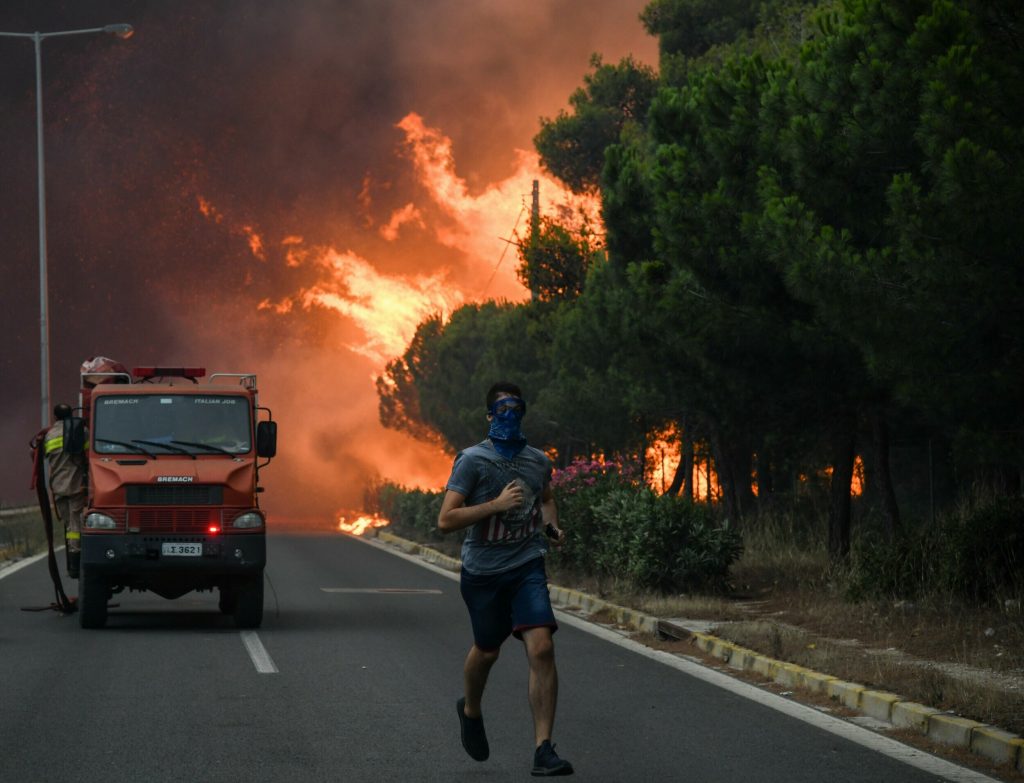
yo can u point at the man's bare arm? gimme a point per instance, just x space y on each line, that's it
549 514
456 515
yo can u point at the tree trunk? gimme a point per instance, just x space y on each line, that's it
683 478
843 455
879 476
733 461
765 482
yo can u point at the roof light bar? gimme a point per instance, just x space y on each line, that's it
169 372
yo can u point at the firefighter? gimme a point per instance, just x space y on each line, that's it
68 485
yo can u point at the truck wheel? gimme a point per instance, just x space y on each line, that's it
249 607
228 599
93 594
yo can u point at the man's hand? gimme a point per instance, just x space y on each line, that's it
555 534
511 497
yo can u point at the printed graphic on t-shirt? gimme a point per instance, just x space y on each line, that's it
516 523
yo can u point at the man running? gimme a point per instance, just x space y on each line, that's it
500 490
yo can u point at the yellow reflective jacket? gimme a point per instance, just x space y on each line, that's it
67 471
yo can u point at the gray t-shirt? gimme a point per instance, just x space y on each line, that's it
508 539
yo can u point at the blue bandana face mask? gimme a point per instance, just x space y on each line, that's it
506 420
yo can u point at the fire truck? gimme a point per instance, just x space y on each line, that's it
174 484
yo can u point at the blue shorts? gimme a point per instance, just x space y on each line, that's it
507 603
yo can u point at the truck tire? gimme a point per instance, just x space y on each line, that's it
249 597
93 594
228 599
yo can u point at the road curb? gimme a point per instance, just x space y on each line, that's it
991 742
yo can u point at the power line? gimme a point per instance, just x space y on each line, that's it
508 243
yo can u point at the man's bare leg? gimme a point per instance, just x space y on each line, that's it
543 688
474 675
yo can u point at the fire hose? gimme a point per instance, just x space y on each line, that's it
62 604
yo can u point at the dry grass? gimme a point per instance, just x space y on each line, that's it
21 534
948 654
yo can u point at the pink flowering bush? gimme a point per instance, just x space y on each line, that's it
579 488
582 473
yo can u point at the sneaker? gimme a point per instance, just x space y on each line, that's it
474 740
546 762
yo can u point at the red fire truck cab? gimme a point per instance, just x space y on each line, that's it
174 464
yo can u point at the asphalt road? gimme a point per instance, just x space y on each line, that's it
353 677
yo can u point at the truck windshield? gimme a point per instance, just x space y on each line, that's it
209 424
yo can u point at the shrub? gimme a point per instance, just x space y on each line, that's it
662 543
578 488
413 511
974 553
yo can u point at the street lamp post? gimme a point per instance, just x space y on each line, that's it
121 31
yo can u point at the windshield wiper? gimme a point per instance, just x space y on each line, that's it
165 446
206 446
133 447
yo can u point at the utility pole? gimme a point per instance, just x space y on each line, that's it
534 230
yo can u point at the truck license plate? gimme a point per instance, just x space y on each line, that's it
181 550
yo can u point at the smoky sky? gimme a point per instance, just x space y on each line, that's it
282 115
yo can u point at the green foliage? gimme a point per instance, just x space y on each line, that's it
975 553
572 145
620 530
662 543
691 27
555 258
578 488
412 511
438 385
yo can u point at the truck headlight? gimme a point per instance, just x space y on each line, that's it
248 520
96 521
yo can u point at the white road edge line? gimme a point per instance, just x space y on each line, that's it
877 742
258 653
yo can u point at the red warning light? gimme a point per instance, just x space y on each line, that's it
214 528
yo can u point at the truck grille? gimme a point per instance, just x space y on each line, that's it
174 494
179 520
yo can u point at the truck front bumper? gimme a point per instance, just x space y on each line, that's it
114 554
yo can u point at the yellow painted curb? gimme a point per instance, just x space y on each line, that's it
952 730
789 675
846 693
1000 746
911 715
816 681
878 704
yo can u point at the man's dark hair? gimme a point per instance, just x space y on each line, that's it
500 387
61 411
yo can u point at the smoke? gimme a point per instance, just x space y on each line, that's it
279 188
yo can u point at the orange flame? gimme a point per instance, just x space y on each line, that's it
662 461
361 524
371 299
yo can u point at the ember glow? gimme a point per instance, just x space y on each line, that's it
356 526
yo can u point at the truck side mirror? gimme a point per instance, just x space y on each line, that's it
74 435
266 439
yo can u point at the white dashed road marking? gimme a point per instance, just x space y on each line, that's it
258 653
